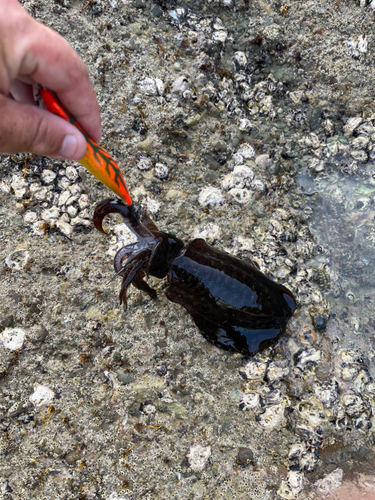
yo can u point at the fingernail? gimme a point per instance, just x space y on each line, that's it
69 147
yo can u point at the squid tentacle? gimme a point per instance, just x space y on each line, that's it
148 222
129 213
137 255
121 255
154 249
131 269
139 283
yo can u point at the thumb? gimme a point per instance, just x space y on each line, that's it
26 128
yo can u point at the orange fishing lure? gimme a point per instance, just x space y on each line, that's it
96 160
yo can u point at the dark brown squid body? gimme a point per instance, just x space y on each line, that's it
235 306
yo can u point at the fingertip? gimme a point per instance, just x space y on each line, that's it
73 147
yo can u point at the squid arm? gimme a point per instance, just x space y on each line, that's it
97 160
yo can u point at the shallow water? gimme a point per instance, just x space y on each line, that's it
342 221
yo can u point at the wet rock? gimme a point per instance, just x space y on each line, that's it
40 333
193 120
175 194
247 71
7 321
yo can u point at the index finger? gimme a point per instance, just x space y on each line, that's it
52 62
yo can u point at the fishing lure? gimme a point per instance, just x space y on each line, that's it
97 160
234 305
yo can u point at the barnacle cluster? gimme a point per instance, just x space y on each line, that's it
229 127
48 197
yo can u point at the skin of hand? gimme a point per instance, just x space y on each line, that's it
32 53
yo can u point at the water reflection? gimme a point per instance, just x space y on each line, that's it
343 223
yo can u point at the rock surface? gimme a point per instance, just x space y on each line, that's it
251 124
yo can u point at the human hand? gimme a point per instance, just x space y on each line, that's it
32 53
